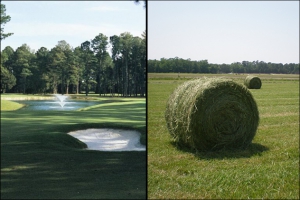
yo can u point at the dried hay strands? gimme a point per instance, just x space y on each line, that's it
252 82
211 114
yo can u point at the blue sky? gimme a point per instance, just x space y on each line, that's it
44 23
224 31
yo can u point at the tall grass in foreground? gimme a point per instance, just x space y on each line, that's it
269 168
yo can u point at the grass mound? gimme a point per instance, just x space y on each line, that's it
212 113
252 82
9 105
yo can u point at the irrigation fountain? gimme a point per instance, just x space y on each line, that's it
61 99
60 102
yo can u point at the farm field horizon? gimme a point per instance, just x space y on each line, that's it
230 75
268 168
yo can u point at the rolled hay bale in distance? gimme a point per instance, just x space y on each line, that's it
252 82
211 114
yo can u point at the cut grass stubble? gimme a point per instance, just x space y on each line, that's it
268 168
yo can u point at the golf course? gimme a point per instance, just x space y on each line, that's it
267 169
40 160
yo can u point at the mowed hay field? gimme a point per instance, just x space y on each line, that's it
269 168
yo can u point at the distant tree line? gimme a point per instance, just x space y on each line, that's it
179 65
88 67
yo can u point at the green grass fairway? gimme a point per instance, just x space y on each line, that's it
39 160
268 169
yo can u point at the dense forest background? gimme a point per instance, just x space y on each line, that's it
88 67
180 65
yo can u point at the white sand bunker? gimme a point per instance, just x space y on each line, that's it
110 139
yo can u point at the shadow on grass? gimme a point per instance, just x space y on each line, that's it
39 160
74 174
253 149
54 165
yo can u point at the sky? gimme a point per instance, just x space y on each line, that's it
224 31
45 23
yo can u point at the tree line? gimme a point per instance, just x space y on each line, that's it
179 65
88 67
65 70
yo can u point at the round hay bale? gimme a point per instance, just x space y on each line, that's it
211 114
252 82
